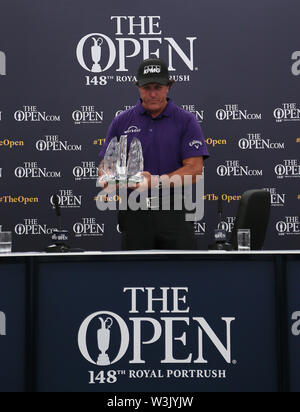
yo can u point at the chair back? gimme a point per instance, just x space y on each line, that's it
253 213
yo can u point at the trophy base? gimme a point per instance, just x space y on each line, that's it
135 179
96 68
103 360
122 180
108 179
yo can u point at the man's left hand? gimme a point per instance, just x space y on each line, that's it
148 182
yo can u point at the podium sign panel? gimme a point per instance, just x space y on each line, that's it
294 324
12 327
146 326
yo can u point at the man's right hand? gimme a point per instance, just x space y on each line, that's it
107 187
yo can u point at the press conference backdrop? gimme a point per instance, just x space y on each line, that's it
236 67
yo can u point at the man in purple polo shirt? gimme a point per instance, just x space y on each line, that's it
173 147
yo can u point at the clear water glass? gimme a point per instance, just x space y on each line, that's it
244 239
5 242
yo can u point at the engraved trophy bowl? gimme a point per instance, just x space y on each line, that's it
117 168
103 336
135 164
121 166
109 167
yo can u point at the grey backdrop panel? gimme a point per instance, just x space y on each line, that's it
235 63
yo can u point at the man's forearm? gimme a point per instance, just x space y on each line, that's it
188 174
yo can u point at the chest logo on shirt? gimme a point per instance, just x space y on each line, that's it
196 143
132 129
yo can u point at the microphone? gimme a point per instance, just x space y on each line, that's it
220 234
57 209
220 209
56 204
58 236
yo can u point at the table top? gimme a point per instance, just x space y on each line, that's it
151 253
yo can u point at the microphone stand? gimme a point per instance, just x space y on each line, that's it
57 247
220 234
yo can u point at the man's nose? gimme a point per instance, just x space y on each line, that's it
153 92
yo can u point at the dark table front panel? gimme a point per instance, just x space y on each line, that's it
225 340
12 327
178 323
293 321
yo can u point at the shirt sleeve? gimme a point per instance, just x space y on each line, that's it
193 142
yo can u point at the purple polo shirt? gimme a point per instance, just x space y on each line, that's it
167 140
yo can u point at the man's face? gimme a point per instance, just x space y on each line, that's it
154 97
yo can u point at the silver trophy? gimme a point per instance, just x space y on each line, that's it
121 169
103 336
135 164
96 54
116 168
109 166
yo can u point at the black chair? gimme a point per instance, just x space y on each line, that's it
253 213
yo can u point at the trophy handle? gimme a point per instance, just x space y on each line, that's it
97 42
108 323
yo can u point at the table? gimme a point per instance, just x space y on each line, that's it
153 321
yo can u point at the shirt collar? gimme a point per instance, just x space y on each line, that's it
165 113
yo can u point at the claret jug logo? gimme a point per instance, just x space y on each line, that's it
88 227
87 115
33 227
31 170
290 225
2 324
86 171
2 64
234 168
53 143
67 199
32 114
227 224
160 317
289 168
233 112
139 37
289 112
255 141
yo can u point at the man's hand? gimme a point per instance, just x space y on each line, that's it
148 182
107 187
